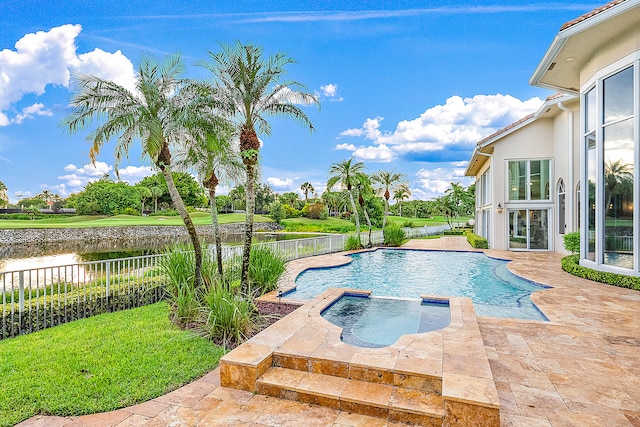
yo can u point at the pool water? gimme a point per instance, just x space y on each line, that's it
495 291
379 322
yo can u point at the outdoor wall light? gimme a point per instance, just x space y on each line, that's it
499 208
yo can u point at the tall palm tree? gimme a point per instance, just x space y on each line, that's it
155 114
215 159
616 173
145 193
363 189
401 192
306 189
386 182
254 87
4 197
348 174
459 197
156 193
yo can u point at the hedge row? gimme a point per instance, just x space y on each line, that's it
571 264
453 232
477 242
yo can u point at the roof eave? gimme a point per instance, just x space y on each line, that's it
564 35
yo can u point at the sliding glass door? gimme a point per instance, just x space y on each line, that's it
529 229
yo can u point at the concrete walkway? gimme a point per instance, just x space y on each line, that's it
580 369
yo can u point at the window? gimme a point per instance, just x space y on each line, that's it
610 141
485 188
561 207
529 180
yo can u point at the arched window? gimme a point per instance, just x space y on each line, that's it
562 224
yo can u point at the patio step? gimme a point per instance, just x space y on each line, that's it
393 403
411 375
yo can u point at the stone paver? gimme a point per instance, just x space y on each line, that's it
580 369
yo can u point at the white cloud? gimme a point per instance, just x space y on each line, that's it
329 90
36 109
431 183
348 147
48 58
444 132
79 177
381 153
133 174
278 183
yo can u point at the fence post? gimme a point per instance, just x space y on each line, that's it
21 291
108 280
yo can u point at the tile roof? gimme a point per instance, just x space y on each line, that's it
505 129
594 12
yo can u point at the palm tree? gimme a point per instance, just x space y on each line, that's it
253 87
154 114
4 197
616 173
364 190
348 175
237 194
386 182
306 189
402 192
459 198
156 193
214 159
145 193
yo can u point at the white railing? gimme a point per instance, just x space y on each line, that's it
39 298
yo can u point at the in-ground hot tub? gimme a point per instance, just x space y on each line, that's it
379 322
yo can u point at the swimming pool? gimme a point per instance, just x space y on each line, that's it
495 291
379 322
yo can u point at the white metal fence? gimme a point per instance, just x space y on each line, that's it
39 298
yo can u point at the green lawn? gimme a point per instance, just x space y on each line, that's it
99 364
421 222
329 225
199 218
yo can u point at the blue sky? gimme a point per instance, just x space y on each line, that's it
405 85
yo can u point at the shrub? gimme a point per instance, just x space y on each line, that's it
454 232
316 211
291 212
571 264
276 212
353 243
394 236
477 242
229 316
165 212
408 224
572 242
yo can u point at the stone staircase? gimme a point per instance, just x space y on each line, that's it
409 398
439 378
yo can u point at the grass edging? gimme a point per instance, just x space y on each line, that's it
571 264
99 364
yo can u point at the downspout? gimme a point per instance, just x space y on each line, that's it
493 222
569 189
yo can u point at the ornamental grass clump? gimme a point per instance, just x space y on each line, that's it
394 236
229 317
352 243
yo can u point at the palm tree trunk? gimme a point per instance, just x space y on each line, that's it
248 231
355 213
366 216
191 229
384 217
216 228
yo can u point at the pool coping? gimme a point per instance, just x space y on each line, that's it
453 356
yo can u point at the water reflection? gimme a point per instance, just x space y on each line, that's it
50 254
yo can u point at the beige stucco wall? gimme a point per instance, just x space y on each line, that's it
545 138
608 53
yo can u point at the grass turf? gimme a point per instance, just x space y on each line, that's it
99 364
80 221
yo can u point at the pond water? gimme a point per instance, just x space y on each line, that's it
23 257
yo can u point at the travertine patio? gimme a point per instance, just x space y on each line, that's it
580 369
